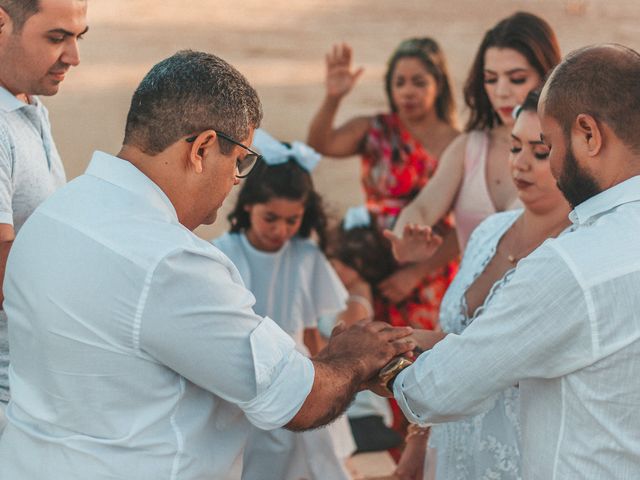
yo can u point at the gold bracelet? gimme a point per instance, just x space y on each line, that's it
414 430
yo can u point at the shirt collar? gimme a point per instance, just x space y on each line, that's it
624 192
125 175
9 102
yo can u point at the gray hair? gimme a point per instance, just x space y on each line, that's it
186 94
20 10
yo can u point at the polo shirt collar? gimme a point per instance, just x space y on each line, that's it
125 175
9 102
624 192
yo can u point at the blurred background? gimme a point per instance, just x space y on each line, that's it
279 45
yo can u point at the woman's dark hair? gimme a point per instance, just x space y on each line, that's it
530 103
529 35
365 250
286 180
429 53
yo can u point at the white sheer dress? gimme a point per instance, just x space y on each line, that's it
485 446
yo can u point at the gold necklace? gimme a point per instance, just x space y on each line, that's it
516 229
514 240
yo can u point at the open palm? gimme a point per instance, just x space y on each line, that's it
340 74
417 244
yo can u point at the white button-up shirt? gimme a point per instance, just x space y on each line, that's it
135 350
566 328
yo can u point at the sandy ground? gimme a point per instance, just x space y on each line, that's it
280 45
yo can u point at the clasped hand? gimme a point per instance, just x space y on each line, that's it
368 346
424 340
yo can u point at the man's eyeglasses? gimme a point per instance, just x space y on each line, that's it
244 165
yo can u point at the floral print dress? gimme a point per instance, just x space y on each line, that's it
395 167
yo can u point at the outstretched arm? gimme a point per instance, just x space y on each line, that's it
341 77
436 199
353 356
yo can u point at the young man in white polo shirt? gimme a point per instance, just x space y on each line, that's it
38 45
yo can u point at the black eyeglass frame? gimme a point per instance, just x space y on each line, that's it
254 157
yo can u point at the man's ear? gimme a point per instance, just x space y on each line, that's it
5 22
587 134
199 147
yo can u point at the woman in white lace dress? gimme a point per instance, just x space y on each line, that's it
486 446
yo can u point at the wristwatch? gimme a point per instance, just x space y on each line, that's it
389 372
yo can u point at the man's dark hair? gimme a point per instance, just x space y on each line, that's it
601 81
186 94
20 11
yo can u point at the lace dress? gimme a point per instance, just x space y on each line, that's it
395 167
485 446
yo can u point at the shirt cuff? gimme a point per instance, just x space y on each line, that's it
284 378
403 403
426 401
6 218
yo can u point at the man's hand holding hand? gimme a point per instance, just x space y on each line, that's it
367 346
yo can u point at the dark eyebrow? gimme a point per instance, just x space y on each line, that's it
509 72
530 142
67 33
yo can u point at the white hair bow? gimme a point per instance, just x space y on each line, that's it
356 217
275 152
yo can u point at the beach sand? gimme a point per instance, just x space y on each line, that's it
280 45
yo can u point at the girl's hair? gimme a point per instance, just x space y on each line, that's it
529 35
530 103
286 180
427 51
365 250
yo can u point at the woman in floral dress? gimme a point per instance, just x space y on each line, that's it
399 153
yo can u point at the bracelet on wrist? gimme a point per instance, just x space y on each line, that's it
362 301
414 430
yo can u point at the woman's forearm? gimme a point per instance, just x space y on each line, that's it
321 127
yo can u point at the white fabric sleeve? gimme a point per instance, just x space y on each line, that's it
327 292
537 326
198 321
6 174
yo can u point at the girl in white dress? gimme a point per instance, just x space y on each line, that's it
276 213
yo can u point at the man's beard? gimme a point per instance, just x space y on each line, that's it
575 184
